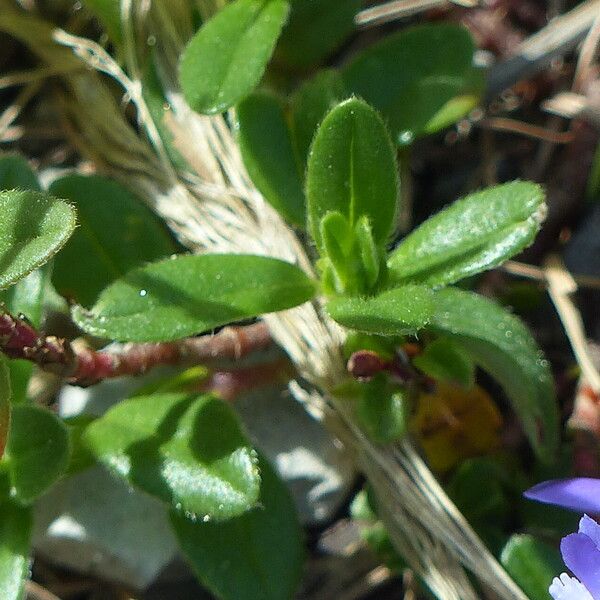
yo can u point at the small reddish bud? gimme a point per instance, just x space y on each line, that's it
364 364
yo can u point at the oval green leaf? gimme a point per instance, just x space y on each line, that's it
400 311
115 234
15 535
264 545
532 564
15 172
263 135
475 233
414 77
186 450
226 58
500 344
186 295
352 170
33 227
37 453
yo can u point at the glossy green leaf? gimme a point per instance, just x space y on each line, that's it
116 233
33 227
309 105
263 135
500 343
352 170
15 534
399 311
25 297
109 14
532 564
446 361
15 172
4 405
257 555
414 77
37 453
226 58
186 450
175 298
315 29
474 234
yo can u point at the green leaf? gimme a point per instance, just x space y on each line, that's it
315 29
25 297
263 135
309 105
399 311
383 410
226 58
257 555
500 343
187 295
33 227
15 172
446 361
4 405
352 169
186 450
414 77
109 14
116 233
532 564
15 534
476 233
37 453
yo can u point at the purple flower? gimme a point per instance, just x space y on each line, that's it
581 550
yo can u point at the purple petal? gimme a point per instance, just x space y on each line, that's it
568 588
590 528
581 494
583 559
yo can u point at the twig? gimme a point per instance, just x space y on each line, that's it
533 131
536 273
14 110
586 57
399 9
561 286
83 366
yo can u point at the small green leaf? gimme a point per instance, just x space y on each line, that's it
104 247
369 253
383 410
187 295
37 453
313 100
15 172
15 534
226 58
446 361
421 79
476 233
352 169
399 311
33 227
532 564
263 135
256 555
315 29
186 450
500 343
4 405
25 297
